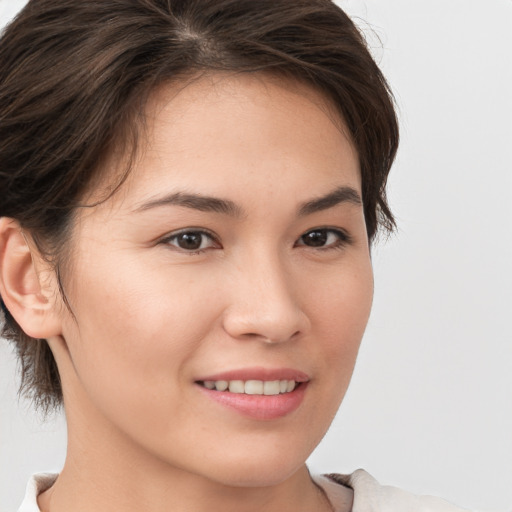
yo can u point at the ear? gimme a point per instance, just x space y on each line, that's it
27 286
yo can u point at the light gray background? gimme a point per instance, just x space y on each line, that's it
430 406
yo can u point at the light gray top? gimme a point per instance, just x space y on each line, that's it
370 496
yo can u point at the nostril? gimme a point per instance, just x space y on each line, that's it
284 338
269 339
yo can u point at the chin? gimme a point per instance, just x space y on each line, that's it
262 466
248 474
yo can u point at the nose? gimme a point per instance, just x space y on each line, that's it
264 303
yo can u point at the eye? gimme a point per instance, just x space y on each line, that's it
324 238
191 240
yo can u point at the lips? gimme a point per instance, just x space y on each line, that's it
258 393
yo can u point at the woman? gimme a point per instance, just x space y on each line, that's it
191 192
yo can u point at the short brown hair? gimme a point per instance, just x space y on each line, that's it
75 75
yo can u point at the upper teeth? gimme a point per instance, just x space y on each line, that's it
252 387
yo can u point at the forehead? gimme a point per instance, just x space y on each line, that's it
219 130
239 93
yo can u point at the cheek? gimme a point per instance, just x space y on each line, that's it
341 303
135 333
339 311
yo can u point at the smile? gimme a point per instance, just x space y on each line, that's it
251 387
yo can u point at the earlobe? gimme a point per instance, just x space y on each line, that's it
29 298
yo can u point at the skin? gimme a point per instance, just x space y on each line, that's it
150 317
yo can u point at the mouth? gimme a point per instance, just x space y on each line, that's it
251 387
258 393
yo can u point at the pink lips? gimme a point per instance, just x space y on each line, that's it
260 407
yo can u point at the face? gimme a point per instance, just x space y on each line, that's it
235 255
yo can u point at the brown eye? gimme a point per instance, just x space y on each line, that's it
323 238
191 241
316 238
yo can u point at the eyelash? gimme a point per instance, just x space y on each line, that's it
343 239
191 231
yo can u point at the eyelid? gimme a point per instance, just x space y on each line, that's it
202 231
344 238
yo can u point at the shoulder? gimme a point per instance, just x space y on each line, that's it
36 485
370 496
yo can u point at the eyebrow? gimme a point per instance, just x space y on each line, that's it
227 207
196 202
338 196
